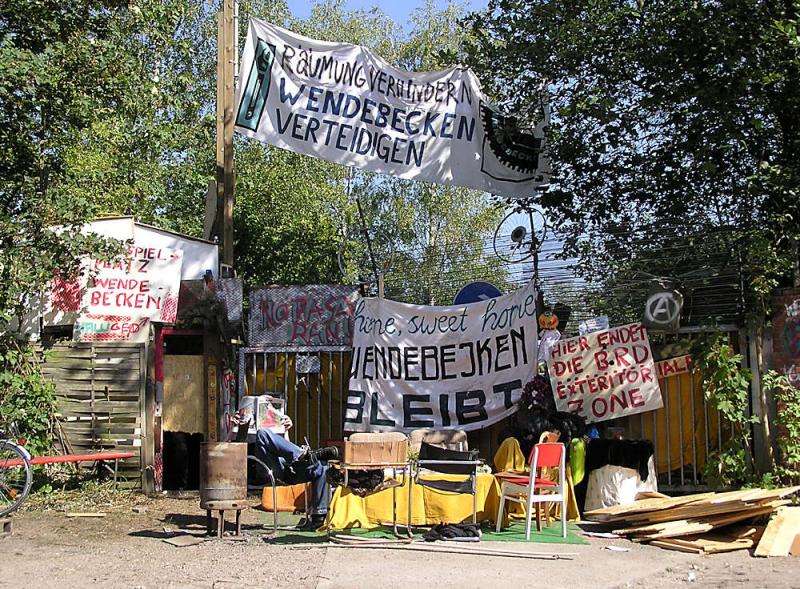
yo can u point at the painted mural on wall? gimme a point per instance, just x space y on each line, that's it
786 335
300 317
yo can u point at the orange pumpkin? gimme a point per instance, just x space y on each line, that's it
548 321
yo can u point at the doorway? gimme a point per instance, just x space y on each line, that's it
183 410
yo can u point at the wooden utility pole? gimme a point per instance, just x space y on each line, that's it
225 181
226 75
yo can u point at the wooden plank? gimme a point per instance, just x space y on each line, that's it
110 407
671 544
118 391
80 381
131 420
780 533
715 542
85 429
620 512
100 396
706 544
686 527
184 394
715 505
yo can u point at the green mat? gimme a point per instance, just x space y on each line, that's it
548 535
514 533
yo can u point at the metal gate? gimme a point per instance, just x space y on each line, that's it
313 386
684 432
687 430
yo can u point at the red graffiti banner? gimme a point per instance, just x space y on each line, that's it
145 284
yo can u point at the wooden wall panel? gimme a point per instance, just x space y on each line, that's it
100 399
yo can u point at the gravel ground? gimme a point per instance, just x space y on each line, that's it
126 549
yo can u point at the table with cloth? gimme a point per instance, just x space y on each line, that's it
430 506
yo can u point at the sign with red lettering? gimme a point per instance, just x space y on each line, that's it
605 374
674 366
143 285
111 328
303 318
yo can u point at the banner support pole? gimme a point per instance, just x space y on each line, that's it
226 65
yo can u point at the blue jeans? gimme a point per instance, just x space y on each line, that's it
281 455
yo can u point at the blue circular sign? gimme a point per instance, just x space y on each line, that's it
476 292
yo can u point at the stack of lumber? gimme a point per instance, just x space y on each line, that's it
703 523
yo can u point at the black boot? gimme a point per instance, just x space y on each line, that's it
312 524
324 454
320 454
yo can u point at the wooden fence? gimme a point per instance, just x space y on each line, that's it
100 391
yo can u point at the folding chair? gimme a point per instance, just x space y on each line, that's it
275 482
376 463
445 452
537 488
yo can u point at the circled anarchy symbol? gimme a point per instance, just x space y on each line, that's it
663 308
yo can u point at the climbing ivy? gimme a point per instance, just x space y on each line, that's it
726 386
788 426
26 398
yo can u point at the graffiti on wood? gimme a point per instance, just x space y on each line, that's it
302 316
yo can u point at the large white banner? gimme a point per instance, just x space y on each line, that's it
461 366
341 103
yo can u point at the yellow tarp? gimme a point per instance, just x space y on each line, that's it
430 506
684 431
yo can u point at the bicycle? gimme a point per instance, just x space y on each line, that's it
16 474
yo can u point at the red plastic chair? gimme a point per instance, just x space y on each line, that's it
536 488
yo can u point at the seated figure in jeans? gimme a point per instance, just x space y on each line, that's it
292 464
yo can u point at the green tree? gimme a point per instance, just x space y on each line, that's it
434 235
677 112
672 109
58 76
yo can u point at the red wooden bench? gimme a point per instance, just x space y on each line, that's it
75 458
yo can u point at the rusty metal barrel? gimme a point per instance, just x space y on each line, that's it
223 475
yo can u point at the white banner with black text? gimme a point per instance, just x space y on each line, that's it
460 366
342 103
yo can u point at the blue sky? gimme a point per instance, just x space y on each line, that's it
399 10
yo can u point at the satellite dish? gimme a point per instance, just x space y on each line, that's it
518 234
522 242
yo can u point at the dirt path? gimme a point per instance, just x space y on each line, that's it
126 549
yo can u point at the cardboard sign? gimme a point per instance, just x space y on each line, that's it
344 104
144 285
605 374
460 366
